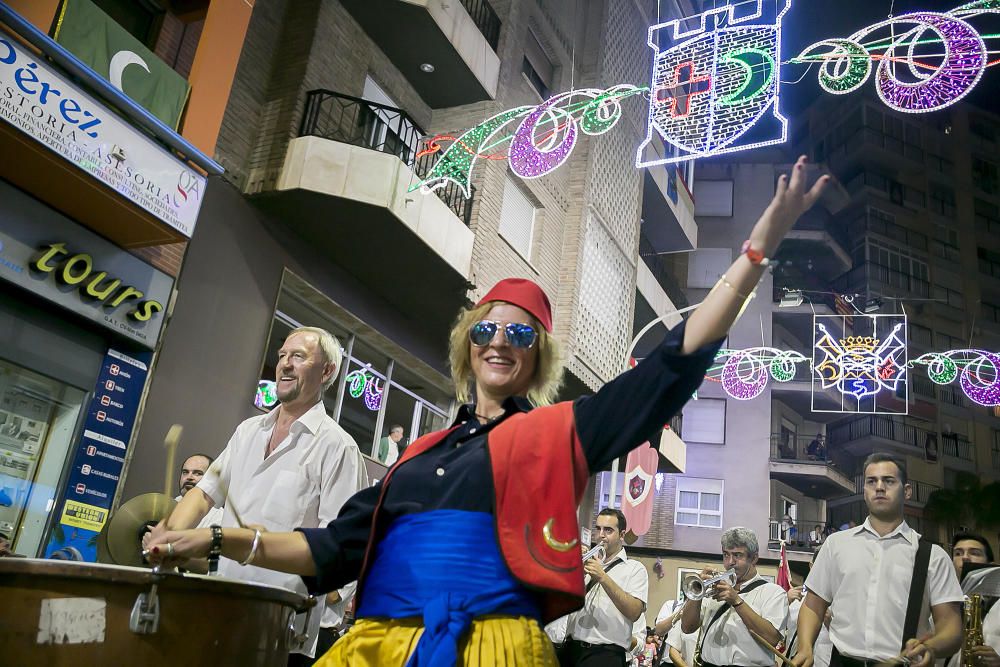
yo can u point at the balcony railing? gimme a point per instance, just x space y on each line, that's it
785 448
956 446
352 120
797 535
877 426
996 458
869 277
485 19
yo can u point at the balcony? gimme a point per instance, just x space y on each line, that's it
795 534
959 452
872 279
660 271
667 205
459 39
811 475
344 188
859 436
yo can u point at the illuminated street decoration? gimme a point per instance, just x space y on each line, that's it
361 383
542 141
267 394
745 373
978 372
715 89
715 80
865 368
941 55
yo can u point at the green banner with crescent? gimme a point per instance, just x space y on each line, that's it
111 51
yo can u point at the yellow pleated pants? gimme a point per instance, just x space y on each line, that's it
492 641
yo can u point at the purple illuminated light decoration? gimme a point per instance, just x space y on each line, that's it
978 372
746 372
846 63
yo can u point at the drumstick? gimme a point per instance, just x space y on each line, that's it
228 501
170 442
778 654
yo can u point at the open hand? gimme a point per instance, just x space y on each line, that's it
791 200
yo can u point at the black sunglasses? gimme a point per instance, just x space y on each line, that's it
521 336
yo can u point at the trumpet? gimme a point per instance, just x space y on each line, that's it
696 588
598 552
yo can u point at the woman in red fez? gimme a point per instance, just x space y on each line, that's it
469 544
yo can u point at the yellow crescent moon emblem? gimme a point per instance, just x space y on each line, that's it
552 541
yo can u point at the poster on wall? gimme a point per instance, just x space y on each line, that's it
85 501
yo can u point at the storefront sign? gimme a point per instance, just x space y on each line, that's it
39 101
97 466
61 261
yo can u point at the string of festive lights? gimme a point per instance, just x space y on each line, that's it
978 372
361 383
716 76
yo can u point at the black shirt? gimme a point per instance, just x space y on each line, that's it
456 474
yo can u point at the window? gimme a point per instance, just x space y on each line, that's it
987 216
705 421
921 336
699 502
990 311
517 218
942 201
984 176
939 164
537 67
989 262
388 129
713 198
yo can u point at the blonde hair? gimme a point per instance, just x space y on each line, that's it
548 367
330 347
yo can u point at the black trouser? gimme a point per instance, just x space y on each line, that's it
838 660
583 654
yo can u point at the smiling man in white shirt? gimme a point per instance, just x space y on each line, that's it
600 634
727 614
864 575
293 467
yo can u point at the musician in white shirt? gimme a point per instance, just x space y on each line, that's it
730 613
863 574
972 548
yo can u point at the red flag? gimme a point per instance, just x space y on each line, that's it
784 574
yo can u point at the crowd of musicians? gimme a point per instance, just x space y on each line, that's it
467 551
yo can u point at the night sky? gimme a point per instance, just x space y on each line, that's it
810 21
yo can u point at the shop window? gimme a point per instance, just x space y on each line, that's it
699 502
38 418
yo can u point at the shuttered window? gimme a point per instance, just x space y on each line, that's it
517 218
705 421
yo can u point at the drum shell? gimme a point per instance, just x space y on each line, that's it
202 621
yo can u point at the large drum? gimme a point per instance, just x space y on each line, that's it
69 614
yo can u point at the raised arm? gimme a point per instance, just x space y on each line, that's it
635 406
712 319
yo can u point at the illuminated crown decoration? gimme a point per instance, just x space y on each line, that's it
859 344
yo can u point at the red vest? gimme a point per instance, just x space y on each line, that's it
539 477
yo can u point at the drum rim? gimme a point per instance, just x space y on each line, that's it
141 577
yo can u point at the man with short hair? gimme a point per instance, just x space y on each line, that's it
192 470
388 447
972 548
864 576
600 634
293 467
729 616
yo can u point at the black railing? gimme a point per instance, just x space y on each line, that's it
877 426
957 446
784 447
802 535
655 263
352 120
869 278
485 19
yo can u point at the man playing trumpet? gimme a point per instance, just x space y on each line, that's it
616 589
735 614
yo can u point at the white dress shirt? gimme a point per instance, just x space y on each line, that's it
556 630
303 483
684 642
728 642
600 622
991 627
212 518
866 578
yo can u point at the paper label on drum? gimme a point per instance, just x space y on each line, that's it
72 621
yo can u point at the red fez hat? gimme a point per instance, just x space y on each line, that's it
525 294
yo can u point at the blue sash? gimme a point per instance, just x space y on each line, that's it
445 566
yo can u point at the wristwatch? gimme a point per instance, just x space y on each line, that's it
756 257
215 549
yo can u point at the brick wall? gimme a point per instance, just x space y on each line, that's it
166 258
